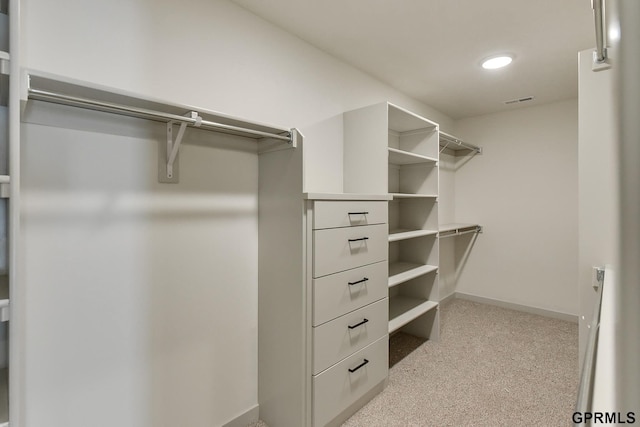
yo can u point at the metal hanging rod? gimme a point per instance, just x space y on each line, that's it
454 143
41 95
585 389
59 90
600 55
460 231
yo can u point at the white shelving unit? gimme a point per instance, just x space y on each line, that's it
403 310
389 149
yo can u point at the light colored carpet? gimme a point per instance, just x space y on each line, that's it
491 367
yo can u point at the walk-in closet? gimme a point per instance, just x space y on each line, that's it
237 213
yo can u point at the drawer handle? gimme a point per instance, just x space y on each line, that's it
359 366
359 324
358 213
358 240
366 279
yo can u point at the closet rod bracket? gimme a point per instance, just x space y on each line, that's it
169 173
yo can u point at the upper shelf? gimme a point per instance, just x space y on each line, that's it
401 120
60 90
457 145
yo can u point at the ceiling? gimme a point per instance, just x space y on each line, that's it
431 49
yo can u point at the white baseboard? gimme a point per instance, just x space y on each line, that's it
243 420
518 307
448 298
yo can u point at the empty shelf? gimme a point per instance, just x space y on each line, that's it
401 157
412 196
403 310
402 234
400 272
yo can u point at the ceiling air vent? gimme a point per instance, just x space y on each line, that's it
519 100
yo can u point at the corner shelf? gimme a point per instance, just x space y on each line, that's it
403 310
400 272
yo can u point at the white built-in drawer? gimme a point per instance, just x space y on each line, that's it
337 388
335 340
340 249
340 293
348 213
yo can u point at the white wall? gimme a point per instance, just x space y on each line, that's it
207 53
524 191
447 214
598 179
141 299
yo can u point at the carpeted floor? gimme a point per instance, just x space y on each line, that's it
491 367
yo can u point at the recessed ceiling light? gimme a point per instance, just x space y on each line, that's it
497 62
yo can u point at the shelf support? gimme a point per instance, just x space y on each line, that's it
170 172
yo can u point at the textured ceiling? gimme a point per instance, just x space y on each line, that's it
432 49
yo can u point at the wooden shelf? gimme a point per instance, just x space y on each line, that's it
403 310
402 234
413 196
400 272
400 157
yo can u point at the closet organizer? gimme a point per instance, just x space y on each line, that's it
322 261
280 196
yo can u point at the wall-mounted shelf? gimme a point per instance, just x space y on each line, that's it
403 310
457 229
45 87
400 272
458 146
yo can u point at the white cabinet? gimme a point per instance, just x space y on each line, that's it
322 298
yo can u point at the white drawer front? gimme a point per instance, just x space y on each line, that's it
335 340
330 214
340 293
337 388
340 249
